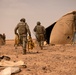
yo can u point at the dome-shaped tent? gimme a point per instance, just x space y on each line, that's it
63 30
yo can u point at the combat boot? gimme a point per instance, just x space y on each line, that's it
24 51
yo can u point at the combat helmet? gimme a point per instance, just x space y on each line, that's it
22 19
38 23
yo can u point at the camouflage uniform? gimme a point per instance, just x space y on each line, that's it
23 29
75 21
40 32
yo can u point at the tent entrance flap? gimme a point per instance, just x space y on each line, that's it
48 32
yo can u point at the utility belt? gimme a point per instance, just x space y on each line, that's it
40 33
23 35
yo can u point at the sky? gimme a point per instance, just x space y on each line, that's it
45 11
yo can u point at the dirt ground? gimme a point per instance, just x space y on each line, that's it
52 60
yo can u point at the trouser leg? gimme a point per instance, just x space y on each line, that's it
42 42
24 45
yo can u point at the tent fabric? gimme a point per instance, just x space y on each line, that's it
11 63
63 30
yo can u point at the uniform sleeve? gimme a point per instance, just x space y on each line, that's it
28 30
44 29
34 29
15 30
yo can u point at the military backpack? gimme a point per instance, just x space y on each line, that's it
22 28
40 29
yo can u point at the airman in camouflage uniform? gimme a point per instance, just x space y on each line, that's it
40 32
74 23
23 29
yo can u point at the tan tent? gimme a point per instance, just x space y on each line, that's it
61 32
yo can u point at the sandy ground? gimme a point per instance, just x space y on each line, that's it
52 60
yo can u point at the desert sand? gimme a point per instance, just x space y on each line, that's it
52 60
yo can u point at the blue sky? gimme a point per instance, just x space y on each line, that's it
45 11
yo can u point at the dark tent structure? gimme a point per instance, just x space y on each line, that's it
48 32
1 40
